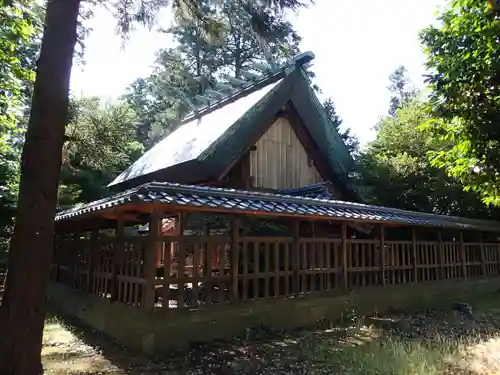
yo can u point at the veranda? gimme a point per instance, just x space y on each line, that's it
326 248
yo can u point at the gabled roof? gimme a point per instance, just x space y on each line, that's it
206 143
201 198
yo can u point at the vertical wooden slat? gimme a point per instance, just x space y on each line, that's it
392 257
73 257
322 267
311 252
328 249
245 270
148 296
303 252
196 274
296 257
222 272
287 269
256 270
343 235
118 248
482 254
235 250
167 268
440 255
414 254
363 264
276 251
181 261
267 269
463 259
382 254
94 243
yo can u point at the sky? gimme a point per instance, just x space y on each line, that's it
357 44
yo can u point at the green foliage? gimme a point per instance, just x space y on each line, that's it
197 64
463 56
100 142
18 26
396 171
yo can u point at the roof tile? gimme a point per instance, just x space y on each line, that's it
265 203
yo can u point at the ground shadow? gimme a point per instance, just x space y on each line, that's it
317 350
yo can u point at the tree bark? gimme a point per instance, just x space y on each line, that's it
22 312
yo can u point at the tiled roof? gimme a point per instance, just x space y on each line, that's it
240 201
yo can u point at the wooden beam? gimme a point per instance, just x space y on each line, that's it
382 255
463 259
414 254
343 236
235 251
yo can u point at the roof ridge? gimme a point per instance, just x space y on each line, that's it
249 87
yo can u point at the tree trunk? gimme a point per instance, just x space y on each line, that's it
22 312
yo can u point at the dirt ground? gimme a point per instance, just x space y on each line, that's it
418 342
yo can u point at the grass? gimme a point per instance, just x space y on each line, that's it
401 343
394 356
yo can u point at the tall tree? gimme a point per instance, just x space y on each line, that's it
23 305
350 140
197 64
463 57
401 89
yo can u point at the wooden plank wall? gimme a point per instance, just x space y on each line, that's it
251 268
277 150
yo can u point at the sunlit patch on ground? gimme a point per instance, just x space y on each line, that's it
64 353
483 358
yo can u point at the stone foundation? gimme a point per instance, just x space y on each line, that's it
161 330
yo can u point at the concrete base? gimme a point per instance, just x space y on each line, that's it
159 330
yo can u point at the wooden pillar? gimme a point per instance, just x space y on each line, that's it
118 248
148 295
207 254
440 256
181 261
235 251
382 254
463 259
343 234
94 243
414 254
482 254
296 256
160 246
168 253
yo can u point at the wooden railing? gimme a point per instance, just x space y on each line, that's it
259 267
